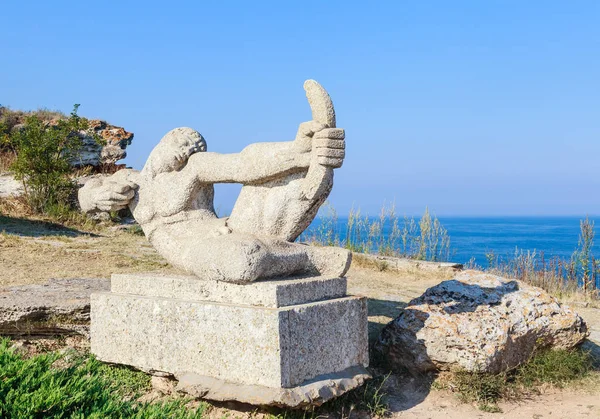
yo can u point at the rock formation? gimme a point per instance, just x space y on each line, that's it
115 140
478 322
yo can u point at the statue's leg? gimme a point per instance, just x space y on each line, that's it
241 258
277 209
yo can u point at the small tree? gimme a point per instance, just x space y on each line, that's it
44 152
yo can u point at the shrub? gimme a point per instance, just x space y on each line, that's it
44 152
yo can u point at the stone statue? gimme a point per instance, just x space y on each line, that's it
285 183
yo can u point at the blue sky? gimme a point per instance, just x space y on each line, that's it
468 107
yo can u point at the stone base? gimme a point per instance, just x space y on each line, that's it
313 392
268 347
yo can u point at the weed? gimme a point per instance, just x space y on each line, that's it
556 367
44 149
370 398
135 229
483 388
127 381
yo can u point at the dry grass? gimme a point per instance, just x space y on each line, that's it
30 259
6 159
18 218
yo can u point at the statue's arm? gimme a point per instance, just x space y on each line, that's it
256 163
108 194
260 162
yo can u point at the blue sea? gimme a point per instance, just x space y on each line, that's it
474 237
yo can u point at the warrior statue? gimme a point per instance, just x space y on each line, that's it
284 184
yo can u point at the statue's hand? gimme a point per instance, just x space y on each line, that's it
115 195
304 137
329 147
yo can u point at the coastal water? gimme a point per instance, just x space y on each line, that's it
474 237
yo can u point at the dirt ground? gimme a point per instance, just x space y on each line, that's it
32 252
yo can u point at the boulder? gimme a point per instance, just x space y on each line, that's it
478 322
61 306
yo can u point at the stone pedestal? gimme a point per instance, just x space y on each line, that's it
288 342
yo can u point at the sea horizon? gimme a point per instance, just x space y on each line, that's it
474 238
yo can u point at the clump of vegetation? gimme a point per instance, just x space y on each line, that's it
387 235
549 367
12 120
578 274
43 154
72 385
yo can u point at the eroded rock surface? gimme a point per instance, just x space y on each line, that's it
115 140
478 322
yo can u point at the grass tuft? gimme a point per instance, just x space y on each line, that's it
387 235
556 367
549 367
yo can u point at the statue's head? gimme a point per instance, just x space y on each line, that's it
174 150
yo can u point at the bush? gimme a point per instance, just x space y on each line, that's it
44 152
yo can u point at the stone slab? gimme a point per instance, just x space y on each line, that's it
271 347
311 393
60 306
273 293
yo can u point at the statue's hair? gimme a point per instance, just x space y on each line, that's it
162 159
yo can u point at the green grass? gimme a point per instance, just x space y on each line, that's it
554 367
72 385
76 385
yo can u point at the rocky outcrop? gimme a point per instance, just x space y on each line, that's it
478 322
61 306
115 140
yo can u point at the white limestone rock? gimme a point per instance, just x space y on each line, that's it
9 186
478 322
114 141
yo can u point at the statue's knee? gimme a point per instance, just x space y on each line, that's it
246 262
